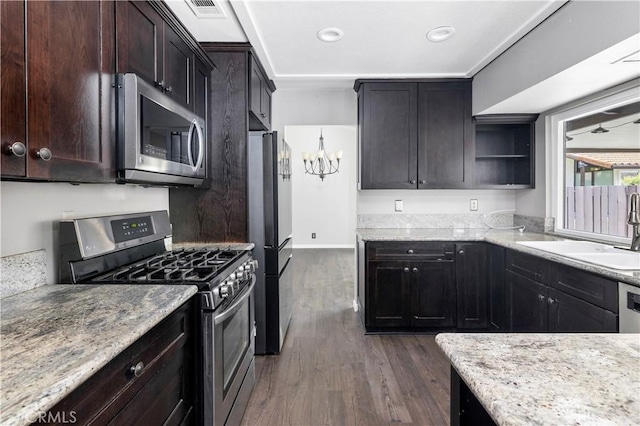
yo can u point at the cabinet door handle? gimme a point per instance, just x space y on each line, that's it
168 89
551 301
461 252
17 148
422 182
406 270
541 297
136 370
410 251
415 270
412 182
44 154
160 84
263 115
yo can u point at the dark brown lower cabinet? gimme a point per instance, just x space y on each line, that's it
151 382
472 285
570 314
527 304
411 294
433 292
465 409
497 312
536 307
388 295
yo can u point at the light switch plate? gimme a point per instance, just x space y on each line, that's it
399 205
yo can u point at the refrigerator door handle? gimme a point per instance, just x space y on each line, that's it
284 243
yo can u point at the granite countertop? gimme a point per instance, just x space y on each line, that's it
56 336
504 238
524 379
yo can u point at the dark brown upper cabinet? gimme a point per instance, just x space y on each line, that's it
415 134
260 90
505 148
57 66
153 44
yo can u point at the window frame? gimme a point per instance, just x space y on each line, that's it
556 159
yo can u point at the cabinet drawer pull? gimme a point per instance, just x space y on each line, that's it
422 182
415 270
412 182
461 252
406 270
410 251
136 370
17 148
44 154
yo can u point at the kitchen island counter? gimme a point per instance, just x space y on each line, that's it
57 336
525 379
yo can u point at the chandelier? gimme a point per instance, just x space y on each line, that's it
319 163
284 157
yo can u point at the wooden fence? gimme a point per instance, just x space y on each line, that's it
599 209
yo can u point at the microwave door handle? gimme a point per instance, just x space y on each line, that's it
198 163
189 143
200 146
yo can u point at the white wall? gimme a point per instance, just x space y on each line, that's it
576 32
326 208
296 111
29 212
533 202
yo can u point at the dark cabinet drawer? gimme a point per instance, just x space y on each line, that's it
588 287
162 388
528 266
410 250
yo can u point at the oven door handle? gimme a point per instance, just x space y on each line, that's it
231 310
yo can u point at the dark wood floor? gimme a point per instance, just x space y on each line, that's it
330 373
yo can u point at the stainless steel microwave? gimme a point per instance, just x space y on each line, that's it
158 140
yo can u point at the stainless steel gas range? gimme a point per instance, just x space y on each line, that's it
132 249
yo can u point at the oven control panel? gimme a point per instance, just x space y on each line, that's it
131 228
237 279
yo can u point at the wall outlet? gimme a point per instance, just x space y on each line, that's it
399 205
313 235
473 205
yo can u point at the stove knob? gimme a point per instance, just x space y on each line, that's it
232 277
225 290
252 265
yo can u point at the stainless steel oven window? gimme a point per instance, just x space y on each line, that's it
236 332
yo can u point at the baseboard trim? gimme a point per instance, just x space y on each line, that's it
324 246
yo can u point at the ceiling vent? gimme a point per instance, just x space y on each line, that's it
206 8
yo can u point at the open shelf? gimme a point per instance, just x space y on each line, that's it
505 151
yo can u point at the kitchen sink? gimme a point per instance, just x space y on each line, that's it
586 251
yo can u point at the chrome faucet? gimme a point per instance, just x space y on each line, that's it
634 220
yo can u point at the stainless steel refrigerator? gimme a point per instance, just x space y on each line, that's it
269 196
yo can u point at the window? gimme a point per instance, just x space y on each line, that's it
596 166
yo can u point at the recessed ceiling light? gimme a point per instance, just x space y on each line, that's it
329 35
439 34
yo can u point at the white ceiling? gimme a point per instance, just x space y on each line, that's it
382 38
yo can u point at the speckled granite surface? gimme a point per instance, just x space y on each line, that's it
22 272
504 238
56 336
568 379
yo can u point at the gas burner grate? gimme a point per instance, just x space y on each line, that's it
188 265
